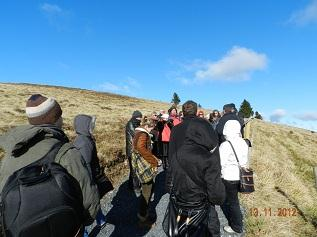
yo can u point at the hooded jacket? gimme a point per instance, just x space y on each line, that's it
194 172
26 144
223 120
85 143
229 164
129 134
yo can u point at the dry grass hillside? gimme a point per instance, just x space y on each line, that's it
112 111
285 201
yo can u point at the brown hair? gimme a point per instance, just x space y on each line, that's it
189 108
147 121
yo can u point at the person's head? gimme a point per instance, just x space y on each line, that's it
154 116
84 124
229 108
216 114
172 111
137 115
180 114
147 123
42 110
189 108
232 129
165 117
200 114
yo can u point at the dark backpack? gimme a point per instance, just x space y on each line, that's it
41 199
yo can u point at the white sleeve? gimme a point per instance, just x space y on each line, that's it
244 156
224 153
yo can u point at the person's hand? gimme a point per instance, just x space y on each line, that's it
159 162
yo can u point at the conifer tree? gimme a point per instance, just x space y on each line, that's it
175 100
246 109
258 115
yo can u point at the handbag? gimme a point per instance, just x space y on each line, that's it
179 221
246 176
143 169
103 183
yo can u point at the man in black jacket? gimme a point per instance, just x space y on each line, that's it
134 122
230 113
194 175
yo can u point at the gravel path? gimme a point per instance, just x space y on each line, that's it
120 207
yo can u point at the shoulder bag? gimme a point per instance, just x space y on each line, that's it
246 176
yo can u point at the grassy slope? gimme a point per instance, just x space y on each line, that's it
281 156
283 159
112 111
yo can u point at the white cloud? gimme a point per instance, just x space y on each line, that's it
184 81
63 65
237 64
51 8
277 115
305 16
132 82
107 86
128 86
309 116
56 16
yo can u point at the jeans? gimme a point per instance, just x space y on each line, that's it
86 233
231 206
100 218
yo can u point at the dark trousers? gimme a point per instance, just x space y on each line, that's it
145 197
213 222
134 183
231 206
164 146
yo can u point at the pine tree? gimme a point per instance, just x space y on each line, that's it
258 115
176 100
246 109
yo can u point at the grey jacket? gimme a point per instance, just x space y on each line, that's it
26 144
85 143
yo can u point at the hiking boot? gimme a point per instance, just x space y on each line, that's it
145 222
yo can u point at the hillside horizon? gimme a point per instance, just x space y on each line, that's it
132 97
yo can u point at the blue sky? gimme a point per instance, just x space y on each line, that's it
213 52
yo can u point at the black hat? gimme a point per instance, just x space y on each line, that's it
137 114
229 106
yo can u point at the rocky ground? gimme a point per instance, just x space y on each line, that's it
120 207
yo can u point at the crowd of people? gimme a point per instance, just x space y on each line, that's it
200 163
196 152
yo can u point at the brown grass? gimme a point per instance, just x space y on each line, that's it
282 157
112 111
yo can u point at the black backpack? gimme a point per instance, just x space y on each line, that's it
41 199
